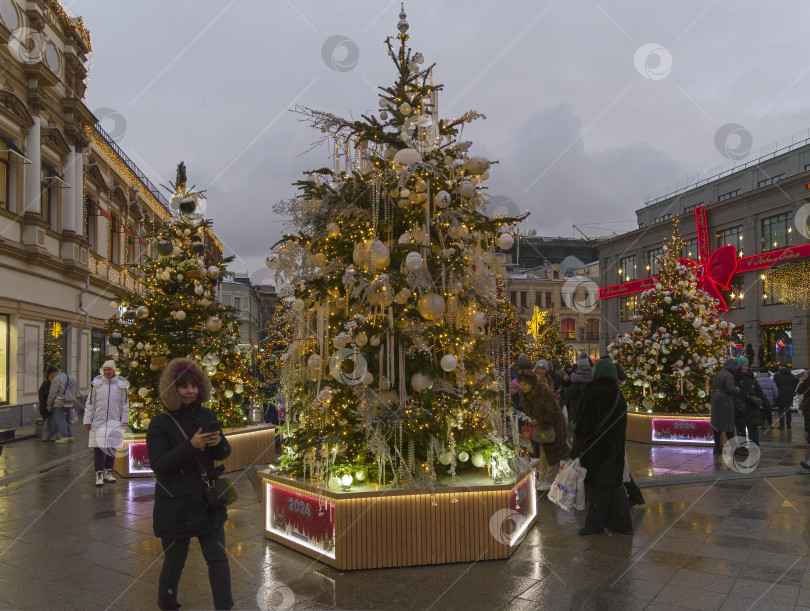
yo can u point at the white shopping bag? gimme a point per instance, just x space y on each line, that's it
568 489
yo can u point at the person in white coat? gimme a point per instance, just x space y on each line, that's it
105 416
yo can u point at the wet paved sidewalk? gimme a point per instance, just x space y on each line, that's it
718 544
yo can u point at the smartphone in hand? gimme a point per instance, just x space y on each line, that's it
212 427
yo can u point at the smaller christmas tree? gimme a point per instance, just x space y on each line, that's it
678 342
506 324
548 343
178 315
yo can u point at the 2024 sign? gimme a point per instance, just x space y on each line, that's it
299 507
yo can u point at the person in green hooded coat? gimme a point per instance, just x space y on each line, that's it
599 444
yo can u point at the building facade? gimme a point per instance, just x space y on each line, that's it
570 289
237 291
760 206
75 211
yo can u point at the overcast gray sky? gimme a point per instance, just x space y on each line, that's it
590 106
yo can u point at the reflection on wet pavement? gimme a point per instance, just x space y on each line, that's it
722 544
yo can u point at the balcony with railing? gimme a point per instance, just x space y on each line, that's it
115 275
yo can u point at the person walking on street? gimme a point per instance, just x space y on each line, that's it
539 403
770 391
579 378
44 390
724 389
61 397
801 389
786 385
599 441
749 403
106 415
179 454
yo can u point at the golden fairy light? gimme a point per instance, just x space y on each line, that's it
788 282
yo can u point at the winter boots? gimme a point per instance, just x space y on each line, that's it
108 476
99 478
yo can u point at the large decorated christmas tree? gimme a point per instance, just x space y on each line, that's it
178 315
678 343
398 374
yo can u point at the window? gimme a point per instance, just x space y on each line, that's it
663 217
97 349
4 345
90 216
132 248
4 179
513 297
592 329
115 240
770 181
548 299
48 197
736 293
777 231
654 257
732 236
690 251
728 195
237 302
627 268
628 307
692 207
568 328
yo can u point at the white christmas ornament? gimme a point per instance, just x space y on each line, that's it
333 230
339 342
413 261
143 391
477 165
213 271
199 289
505 241
314 361
466 188
477 460
479 319
431 306
442 199
180 315
298 305
213 324
367 378
405 238
176 251
448 362
405 108
272 261
420 382
406 157
463 456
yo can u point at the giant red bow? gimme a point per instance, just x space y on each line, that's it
717 273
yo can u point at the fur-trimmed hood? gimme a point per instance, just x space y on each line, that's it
168 393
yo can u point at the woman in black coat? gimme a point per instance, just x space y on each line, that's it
599 444
178 460
786 385
747 412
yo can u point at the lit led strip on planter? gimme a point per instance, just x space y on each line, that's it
301 519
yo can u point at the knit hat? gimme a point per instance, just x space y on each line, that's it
583 362
110 364
542 363
741 360
515 384
605 368
527 376
523 362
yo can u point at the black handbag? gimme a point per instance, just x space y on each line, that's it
219 492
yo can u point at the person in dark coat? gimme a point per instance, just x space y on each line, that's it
786 385
539 403
749 353
724 389
579 378
761 357
44 390
804 405
180 510
749 402
599 444
770 391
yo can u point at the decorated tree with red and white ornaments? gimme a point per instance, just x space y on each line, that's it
678 342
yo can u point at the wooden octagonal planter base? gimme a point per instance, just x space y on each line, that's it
365 528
